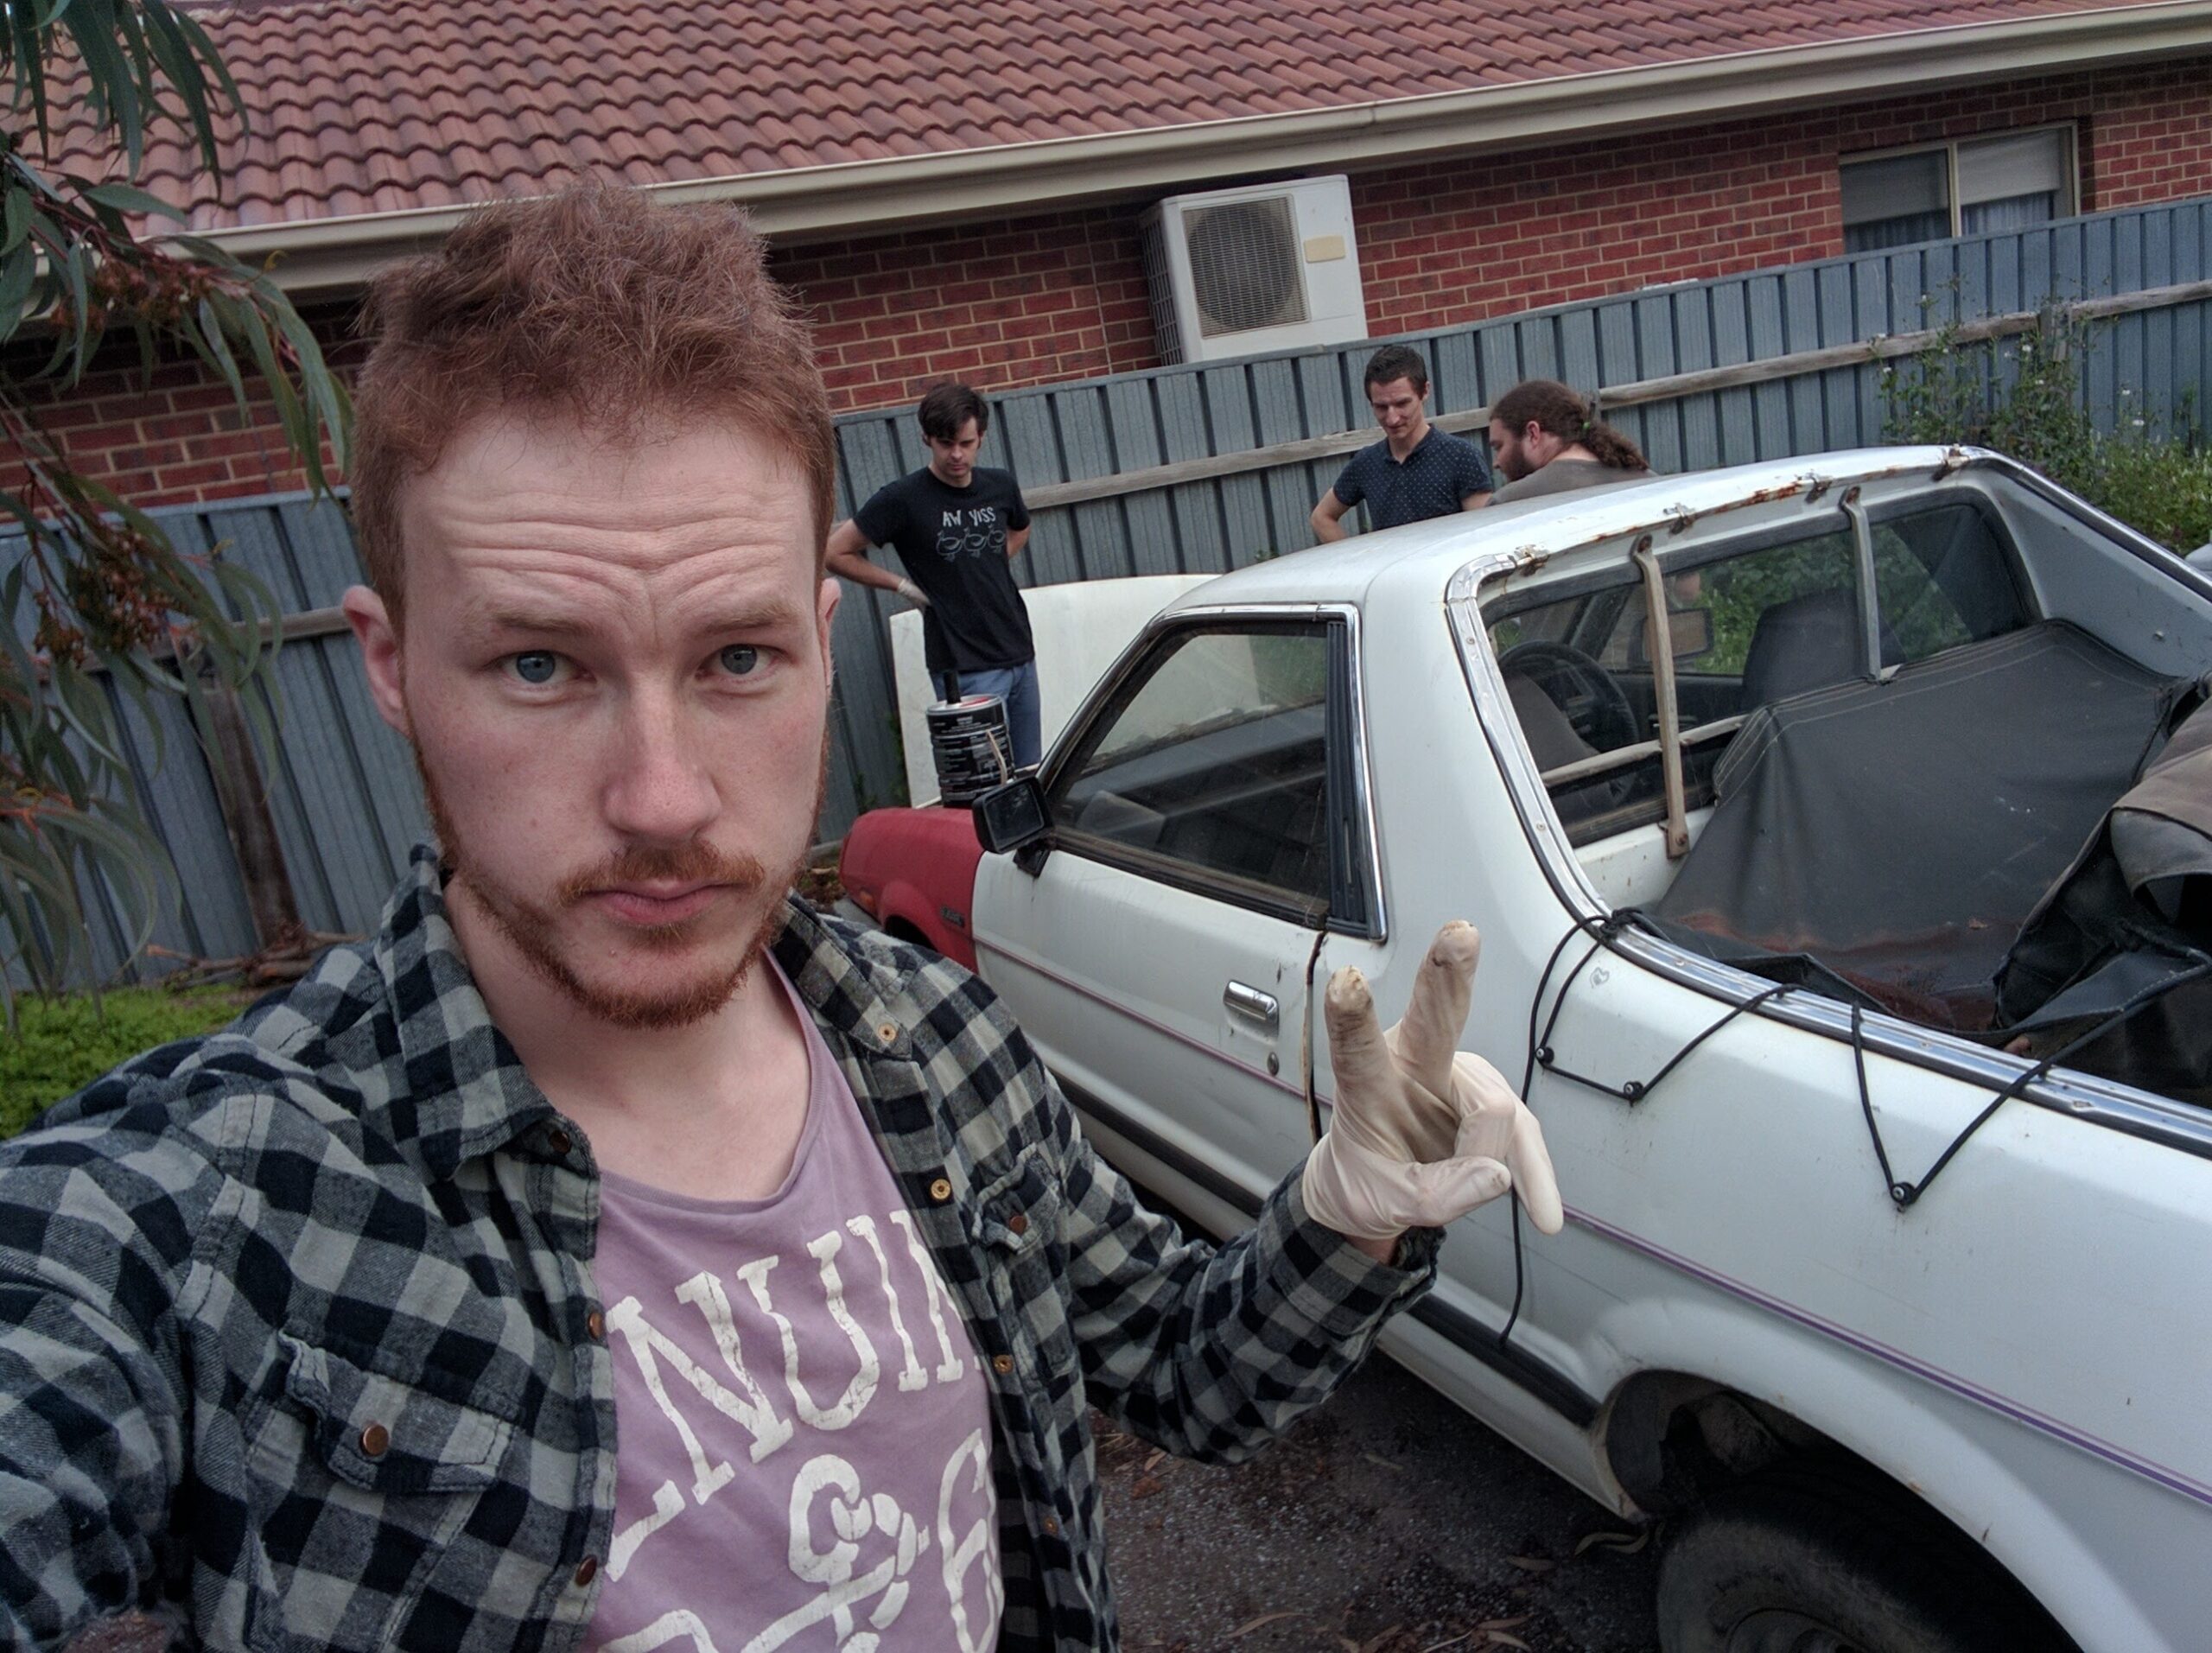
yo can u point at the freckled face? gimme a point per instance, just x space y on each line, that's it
615 673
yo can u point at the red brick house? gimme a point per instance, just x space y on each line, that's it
960 191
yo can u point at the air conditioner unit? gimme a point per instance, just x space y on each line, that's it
1235 272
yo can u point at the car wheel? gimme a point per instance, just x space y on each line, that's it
910 933
1811 1558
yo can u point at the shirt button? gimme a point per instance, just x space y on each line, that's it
587 1570
940 1191
376 1440
1017 1224
559 1142
1003 1364
887 1031
596 1324
1051 1527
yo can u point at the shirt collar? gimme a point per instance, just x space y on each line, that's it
846 999
460 1075
1428 436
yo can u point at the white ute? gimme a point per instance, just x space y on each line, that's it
1854 946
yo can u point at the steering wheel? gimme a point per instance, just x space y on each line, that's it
1592 698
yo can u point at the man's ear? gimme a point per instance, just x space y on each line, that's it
379 641
826 600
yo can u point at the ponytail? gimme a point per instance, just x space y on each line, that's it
1551 406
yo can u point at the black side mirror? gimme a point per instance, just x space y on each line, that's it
1011 816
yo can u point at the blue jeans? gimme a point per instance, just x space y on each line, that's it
1017 687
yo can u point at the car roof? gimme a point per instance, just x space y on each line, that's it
1430 553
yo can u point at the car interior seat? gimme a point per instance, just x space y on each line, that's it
1551 738
1805 643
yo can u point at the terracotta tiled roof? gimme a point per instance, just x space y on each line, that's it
379 105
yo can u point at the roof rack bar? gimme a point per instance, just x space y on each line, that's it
1622 757
1660 646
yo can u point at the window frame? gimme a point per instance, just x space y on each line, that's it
1847 516
2070 169
1355 904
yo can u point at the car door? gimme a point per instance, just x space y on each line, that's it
1207 832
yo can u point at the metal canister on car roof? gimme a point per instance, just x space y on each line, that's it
970 746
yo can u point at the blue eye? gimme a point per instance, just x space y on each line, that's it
741 660
535 666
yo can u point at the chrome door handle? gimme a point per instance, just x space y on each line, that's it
1249 1001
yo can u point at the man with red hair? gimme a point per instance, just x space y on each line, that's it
611 1251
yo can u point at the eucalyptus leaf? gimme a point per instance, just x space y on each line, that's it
213 330
18 274
128 198
84 710
18 218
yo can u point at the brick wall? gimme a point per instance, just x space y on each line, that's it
180 436
1456 241
1061 296
1020 302
2155 145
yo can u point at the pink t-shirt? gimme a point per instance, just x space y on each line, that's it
803 1432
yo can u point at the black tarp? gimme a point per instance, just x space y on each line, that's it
1899 833
2126 929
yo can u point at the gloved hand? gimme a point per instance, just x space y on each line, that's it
1423 1132
912 592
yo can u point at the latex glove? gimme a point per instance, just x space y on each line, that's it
1423 1131
912 592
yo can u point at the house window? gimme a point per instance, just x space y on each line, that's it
2008 181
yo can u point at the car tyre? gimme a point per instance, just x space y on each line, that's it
1813 1558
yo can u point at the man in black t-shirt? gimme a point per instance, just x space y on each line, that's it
956 525
1416 471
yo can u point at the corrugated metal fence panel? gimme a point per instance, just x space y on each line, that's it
344 792
867 768
210 917
1058 433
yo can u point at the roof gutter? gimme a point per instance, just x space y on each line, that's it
813 202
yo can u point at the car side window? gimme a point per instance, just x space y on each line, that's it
1817 573
1212 760
1942 579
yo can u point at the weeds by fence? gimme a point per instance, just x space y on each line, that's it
2023 395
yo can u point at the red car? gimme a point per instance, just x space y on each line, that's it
913 872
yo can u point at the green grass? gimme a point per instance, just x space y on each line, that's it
64 1045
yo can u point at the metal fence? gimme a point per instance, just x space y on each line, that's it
1201 469
342 792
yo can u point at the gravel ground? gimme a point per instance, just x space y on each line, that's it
1387 1522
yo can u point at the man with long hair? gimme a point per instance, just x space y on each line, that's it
611 1252
1546 438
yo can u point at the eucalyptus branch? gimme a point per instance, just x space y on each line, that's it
98 608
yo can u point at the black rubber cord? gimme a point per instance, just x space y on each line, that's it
1603 935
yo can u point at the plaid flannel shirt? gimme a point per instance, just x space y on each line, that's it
297 1321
